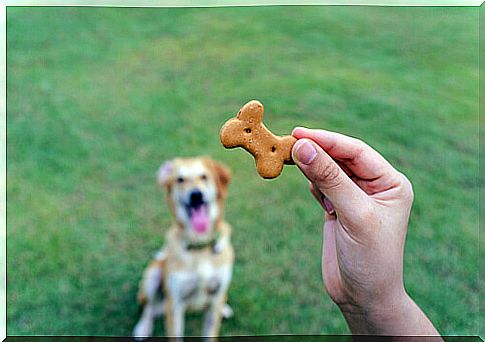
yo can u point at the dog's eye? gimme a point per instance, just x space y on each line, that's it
180 180
203 177
248 130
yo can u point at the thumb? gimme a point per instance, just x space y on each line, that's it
325 175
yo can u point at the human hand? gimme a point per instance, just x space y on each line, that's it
367 205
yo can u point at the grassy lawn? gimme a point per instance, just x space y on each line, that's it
98 98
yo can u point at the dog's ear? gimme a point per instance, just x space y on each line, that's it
165 172
222 176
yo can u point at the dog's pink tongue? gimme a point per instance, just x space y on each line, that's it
200 219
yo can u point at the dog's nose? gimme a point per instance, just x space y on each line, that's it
196 198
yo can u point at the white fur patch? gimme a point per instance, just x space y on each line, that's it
151 282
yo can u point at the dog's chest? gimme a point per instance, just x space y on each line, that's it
199 282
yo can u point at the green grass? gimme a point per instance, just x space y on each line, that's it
98 98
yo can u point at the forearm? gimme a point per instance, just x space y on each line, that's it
401 317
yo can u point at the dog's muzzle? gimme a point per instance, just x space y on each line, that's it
197 210
196 199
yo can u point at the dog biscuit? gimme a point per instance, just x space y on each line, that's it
247 130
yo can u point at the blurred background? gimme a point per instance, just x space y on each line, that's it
98 98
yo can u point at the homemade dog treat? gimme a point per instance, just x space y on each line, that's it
247 130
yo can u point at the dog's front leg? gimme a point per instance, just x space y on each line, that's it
149 287
213 316
181 286
175 318
144 327
217 287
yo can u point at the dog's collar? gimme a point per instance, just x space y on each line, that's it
209 243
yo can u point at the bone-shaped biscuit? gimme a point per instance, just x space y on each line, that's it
247 130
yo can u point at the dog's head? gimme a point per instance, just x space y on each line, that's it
196 189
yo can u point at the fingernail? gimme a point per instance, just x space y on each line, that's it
328 205
305 152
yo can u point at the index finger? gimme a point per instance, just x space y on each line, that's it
360 158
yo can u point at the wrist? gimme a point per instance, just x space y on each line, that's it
373 314
396 316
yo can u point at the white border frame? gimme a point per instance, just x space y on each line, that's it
3 171
229 3
134 3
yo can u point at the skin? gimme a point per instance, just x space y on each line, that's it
367 205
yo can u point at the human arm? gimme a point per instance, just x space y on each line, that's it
367 205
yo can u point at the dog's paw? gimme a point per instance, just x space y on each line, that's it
227 312
142 330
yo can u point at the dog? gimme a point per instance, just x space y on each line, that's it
193 270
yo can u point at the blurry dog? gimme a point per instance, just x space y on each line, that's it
193 270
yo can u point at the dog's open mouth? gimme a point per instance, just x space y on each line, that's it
197 210
199 217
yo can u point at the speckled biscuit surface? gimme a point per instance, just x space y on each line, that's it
247 130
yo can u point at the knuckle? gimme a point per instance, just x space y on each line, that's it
359 144
406 187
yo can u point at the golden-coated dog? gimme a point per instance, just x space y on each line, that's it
193 269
